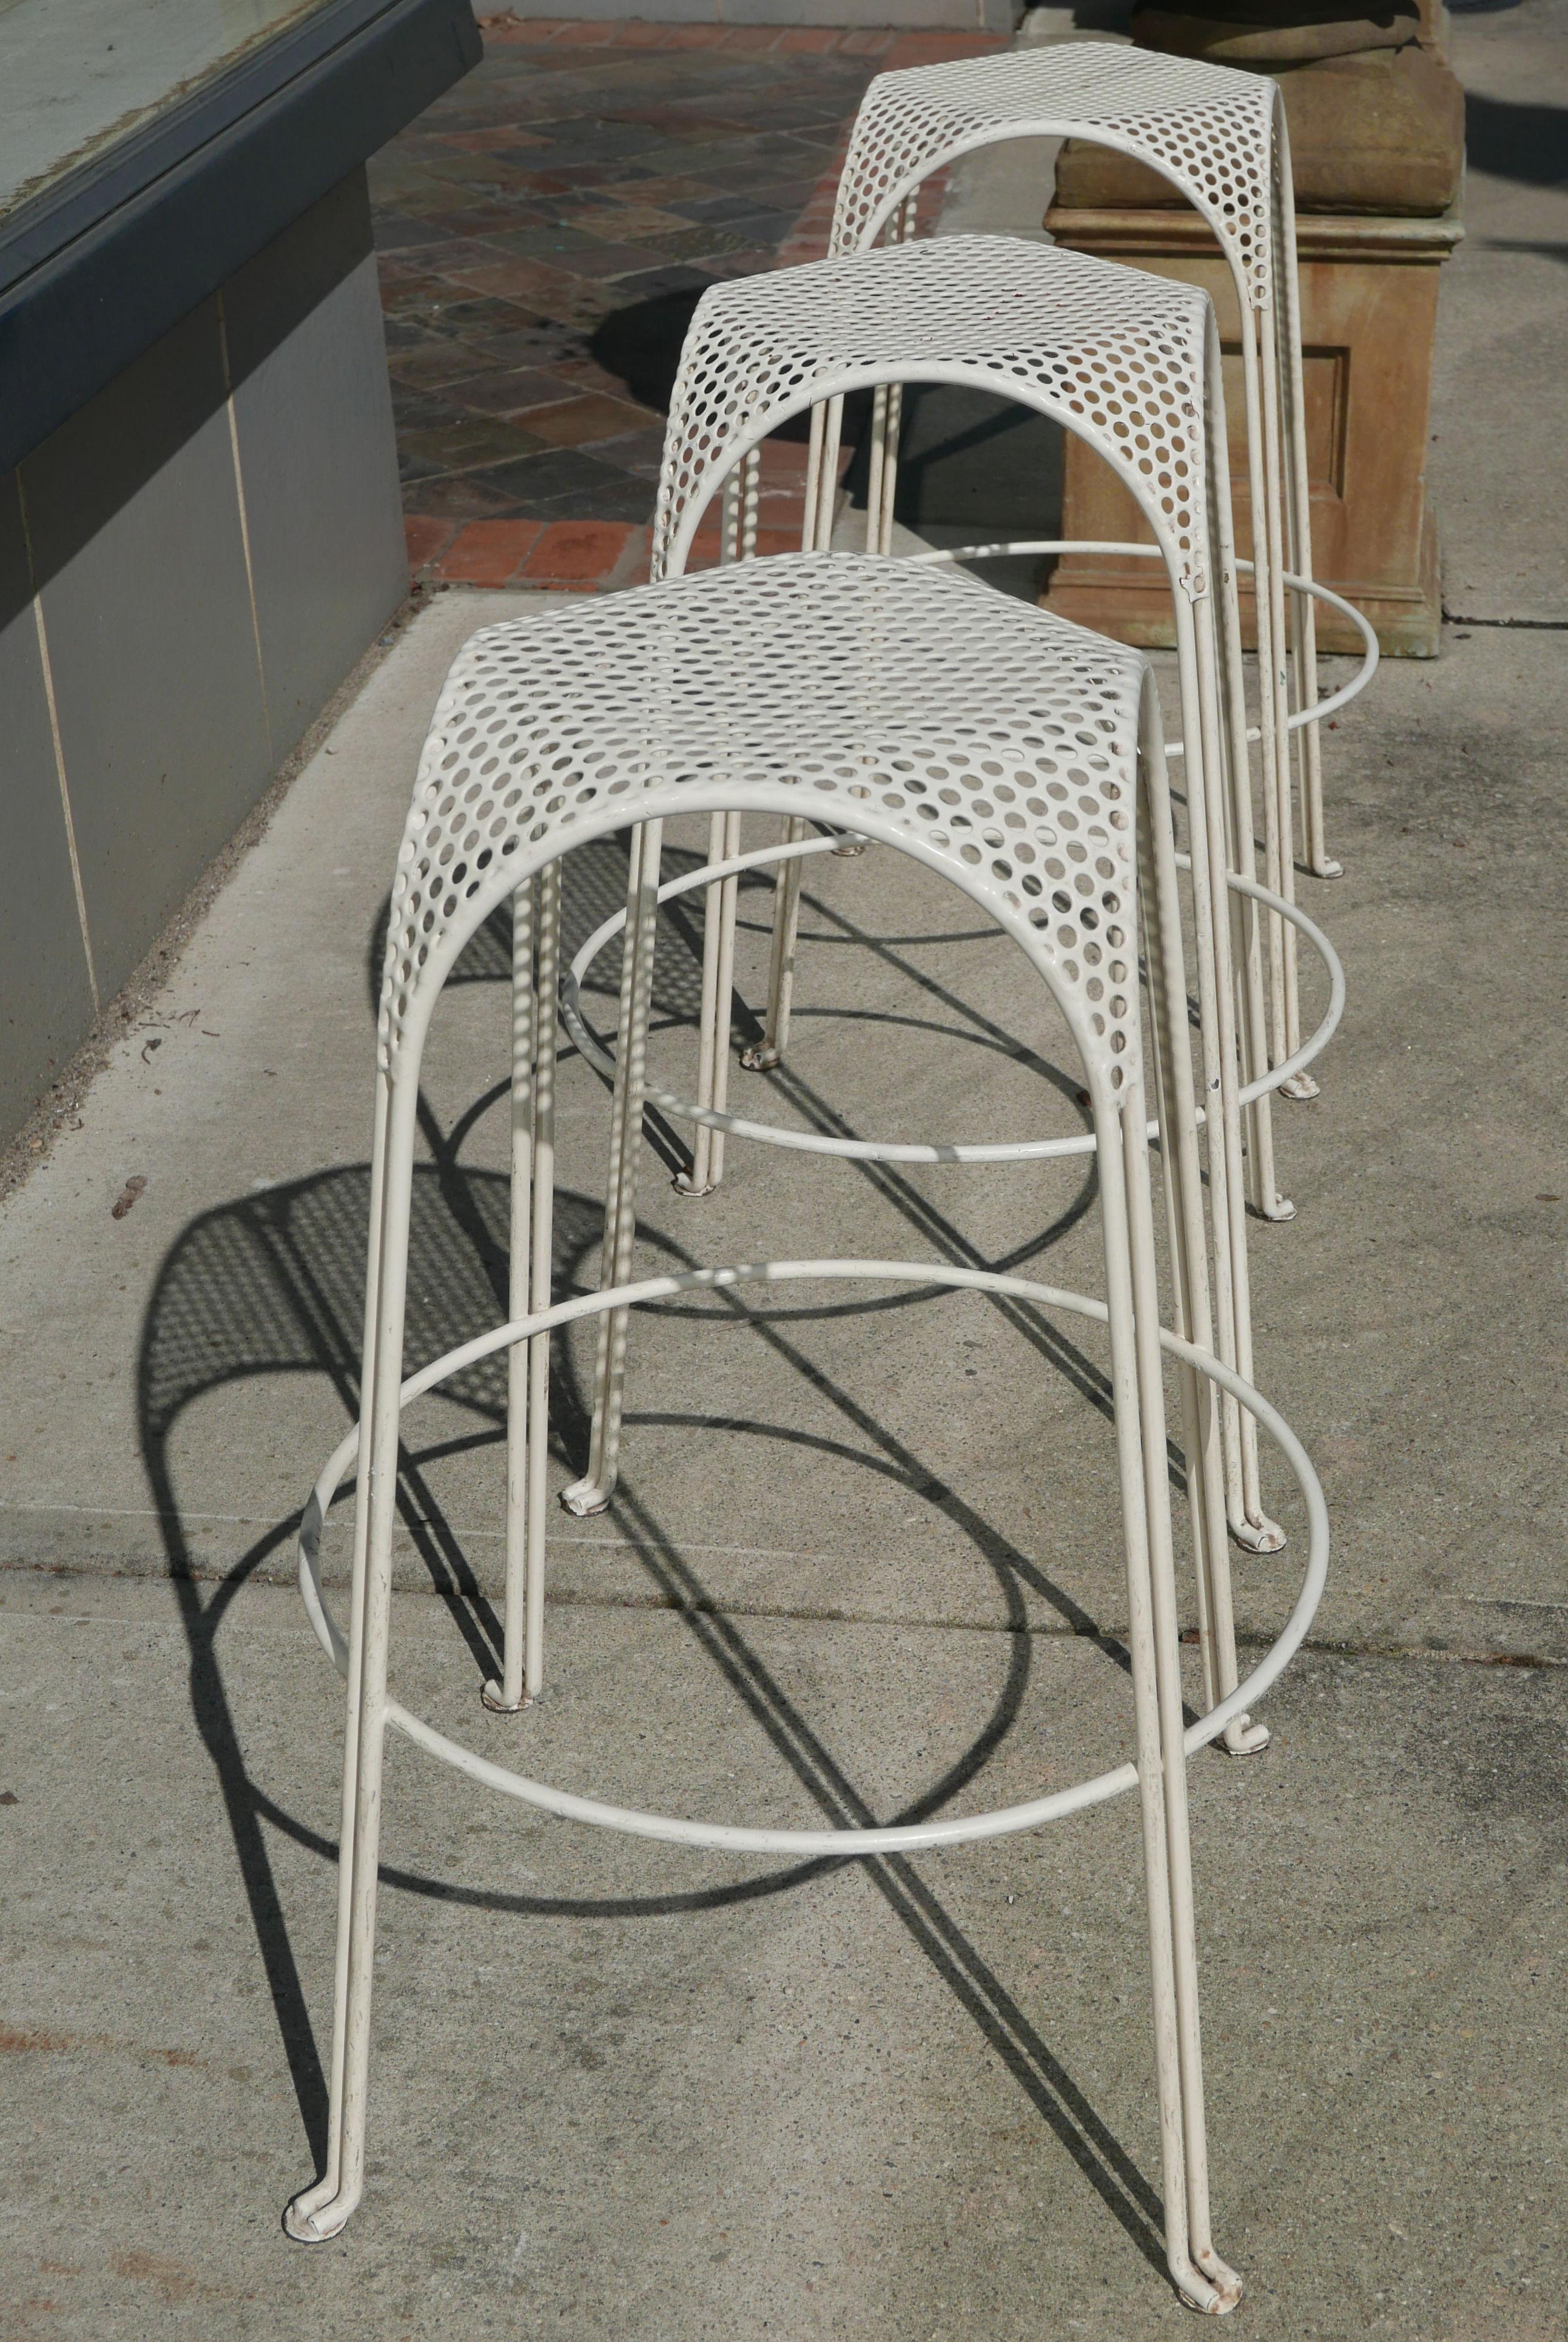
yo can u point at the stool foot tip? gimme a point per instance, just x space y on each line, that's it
312 2221
495 1698
1205 2283
584 1498
761 1059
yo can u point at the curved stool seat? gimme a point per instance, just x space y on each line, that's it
1019 759
1219 138
1126 361
1132 364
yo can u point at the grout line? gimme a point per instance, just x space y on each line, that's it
1531 625
464 1533
1510 1602
1323 1646
59 751
244 515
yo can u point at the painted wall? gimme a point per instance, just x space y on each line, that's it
188 569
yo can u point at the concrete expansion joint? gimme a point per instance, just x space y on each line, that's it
1431 1652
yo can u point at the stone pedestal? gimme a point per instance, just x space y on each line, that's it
1369 307
1376 124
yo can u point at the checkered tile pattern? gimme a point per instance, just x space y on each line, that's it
544 232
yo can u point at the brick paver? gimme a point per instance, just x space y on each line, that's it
545 232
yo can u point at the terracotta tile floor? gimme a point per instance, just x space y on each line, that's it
545 232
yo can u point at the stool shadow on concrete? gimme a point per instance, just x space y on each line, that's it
1508 140
642 344
272 1282
596 889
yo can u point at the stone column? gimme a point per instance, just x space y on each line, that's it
1376 120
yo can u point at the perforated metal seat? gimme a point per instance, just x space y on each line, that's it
1017 757
1132 364
1219 137
1210 130
1126 357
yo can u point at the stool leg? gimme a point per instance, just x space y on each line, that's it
729 903
583 1495
532 1238
543 1250
1286 883
1249 925
820 515
882 479
719 900
700 1179
325 2188
730 892
816 536
506 1696
1268 604
1225 2286
875 466
814 446
770 1049
1155 1656
1298 508
323 2210
593 1491
1196 652
1212 942
1249 1525
890 467
1176 1107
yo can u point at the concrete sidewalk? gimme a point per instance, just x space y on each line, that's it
864 1556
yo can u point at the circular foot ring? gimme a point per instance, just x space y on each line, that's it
762 1058
902 1838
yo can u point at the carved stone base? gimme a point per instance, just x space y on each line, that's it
1369 311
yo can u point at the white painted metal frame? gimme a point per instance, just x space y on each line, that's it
1078 664
1220 137
702 696
1132 364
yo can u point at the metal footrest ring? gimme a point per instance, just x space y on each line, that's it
1319 709
901 1838
874 1150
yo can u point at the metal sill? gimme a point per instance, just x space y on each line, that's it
97 267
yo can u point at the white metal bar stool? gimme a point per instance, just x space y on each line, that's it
906 704
1068 652
1132 364
1220 137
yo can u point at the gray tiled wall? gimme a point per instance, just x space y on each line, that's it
45 997
140 568
308 367
210 545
